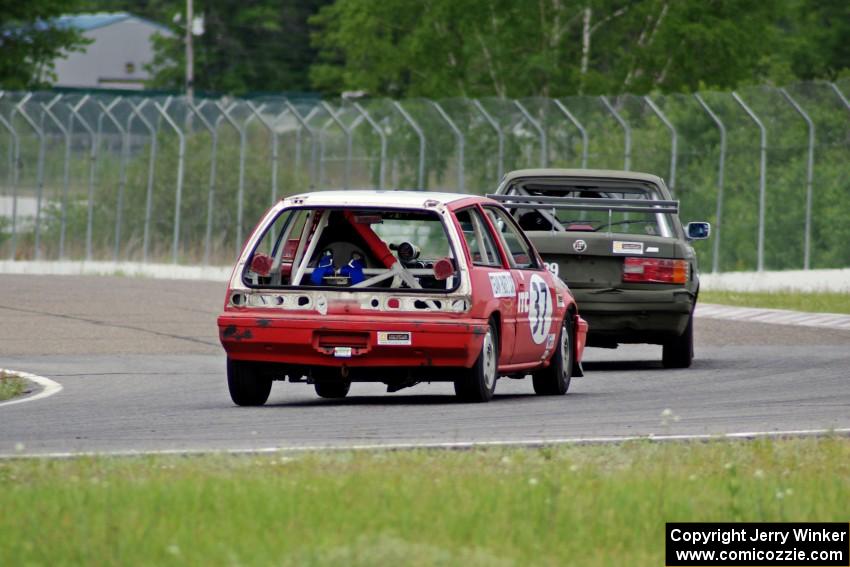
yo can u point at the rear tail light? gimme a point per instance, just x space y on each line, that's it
655 270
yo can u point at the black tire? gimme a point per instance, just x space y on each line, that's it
248 383
477 384
337 389
679 352
554 380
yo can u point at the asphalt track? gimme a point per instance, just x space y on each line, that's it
142 370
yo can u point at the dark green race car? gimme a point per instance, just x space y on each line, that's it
615 237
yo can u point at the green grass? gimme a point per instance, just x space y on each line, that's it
580 505
820 302
11 386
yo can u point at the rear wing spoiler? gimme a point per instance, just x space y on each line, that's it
586 204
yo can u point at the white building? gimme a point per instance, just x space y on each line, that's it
121 47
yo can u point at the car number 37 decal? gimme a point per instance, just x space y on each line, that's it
537 302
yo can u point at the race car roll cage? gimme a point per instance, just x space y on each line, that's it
312 232
546 204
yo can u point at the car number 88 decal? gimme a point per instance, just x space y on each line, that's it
539 309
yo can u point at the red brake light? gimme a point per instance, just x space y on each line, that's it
290 247
261 264
443 269
655 270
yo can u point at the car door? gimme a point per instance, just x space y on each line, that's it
535 331
490 273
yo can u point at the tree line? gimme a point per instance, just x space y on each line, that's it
444 48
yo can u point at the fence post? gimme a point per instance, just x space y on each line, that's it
348 148
136 111
409 119
178 195
627 134
762 177
275 121
317 149
257 111
544 150
298 147
715 258
674 140
273 133
213 130
313 142
322 159
66 172
810 172
382 136
122 167
39 183
582 130
460 142
95 144
15 156
500 136
841 96
240 197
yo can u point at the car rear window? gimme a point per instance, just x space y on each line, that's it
635 223
356 249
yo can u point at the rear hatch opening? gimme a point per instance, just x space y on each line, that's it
358 250
374 259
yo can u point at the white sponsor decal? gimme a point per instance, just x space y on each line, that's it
502 284
552 267
394 338
621 247
579 245
650 249
538 303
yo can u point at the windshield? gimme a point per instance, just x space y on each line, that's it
355 249
588 219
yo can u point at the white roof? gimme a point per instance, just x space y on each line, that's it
376 197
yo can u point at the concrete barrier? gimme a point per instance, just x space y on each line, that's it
792 280
130 269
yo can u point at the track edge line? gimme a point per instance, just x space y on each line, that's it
454 445
48 387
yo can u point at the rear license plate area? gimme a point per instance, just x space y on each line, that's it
341 344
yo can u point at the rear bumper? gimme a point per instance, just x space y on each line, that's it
634 316
351 342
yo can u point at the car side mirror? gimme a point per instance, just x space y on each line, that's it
698 230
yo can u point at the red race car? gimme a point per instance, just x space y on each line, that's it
396 287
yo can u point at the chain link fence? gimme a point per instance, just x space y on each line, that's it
160 179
